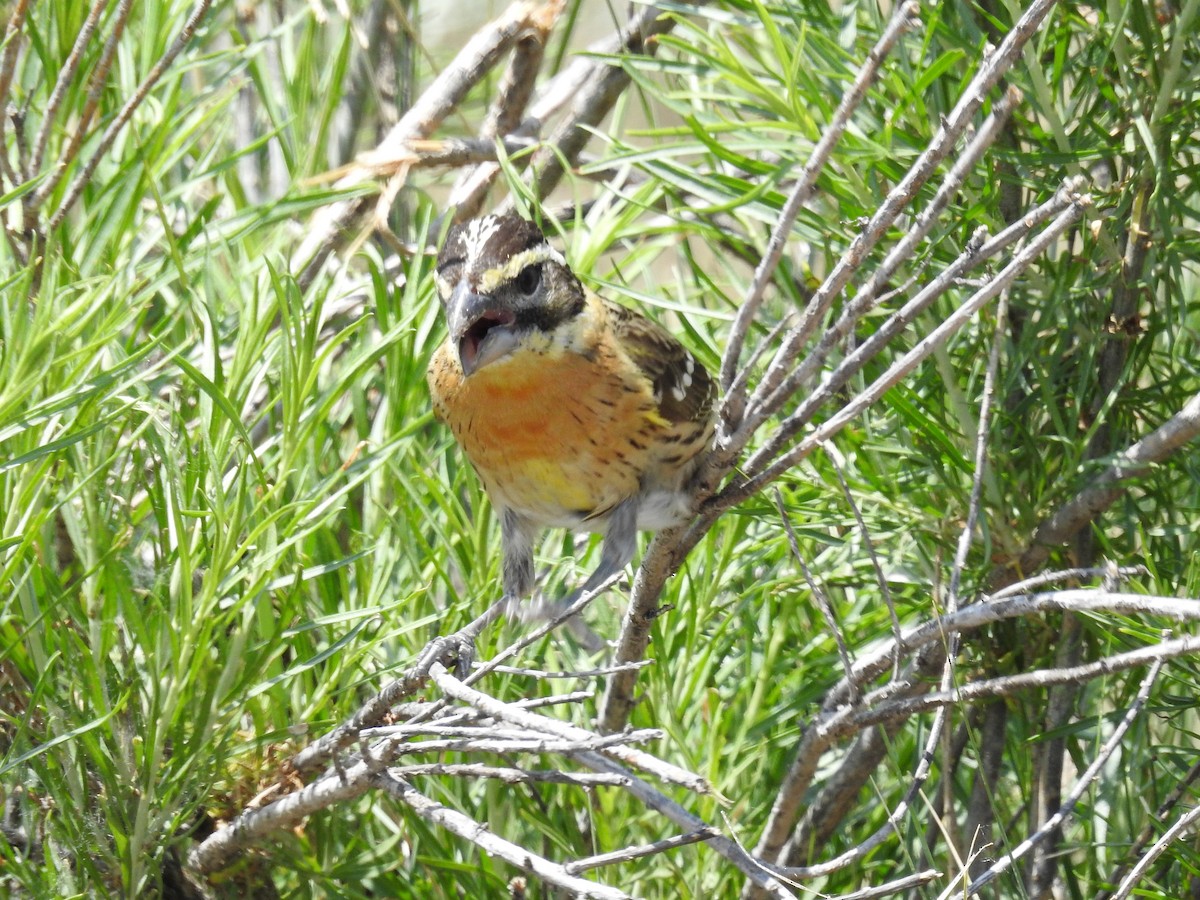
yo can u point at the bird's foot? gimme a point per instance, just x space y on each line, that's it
457 651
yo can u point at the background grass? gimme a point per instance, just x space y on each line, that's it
228 514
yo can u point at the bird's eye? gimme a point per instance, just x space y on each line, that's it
530 279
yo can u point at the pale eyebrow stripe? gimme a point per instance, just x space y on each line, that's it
494 278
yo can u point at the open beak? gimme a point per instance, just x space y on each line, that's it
482 331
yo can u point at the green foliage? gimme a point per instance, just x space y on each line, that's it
227 513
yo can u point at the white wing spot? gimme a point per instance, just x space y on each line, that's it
685 380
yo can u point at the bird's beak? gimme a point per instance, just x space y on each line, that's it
480 328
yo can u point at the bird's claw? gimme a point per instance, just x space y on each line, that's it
456 652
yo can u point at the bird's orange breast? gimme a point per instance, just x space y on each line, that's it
556 436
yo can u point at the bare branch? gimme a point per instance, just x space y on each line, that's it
479 56
1028 585
1085 780
892 887
837 461
253 824
126 112
763 405
904 18
803 769
981 432
978 615
490 842
659 802
1081 509
517 83
743 488
596 99
422 153
65 76
631 853
1160 815
1182 825
508 713
8 65
818 594
842 723
96 86
508 774
395 743
993 68
838 795
585 673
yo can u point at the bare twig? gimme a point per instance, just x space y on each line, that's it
990 72
1105 488
509 713
1176 831
670 547
904 18
421 153
480 54
126 112
1160 815
978 250
916 785
376 709
837 461
508 774
981 433
65 76
799 777
467 195
583 673
519 79
867 297
1029 585
842 723
892 887
743 488
8 65
596 99
978 615
631 853
839 794
1085 780
815 589
396 743
771 885
469 829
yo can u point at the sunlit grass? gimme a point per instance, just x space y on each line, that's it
228 513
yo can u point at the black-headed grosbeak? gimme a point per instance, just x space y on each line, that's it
574 411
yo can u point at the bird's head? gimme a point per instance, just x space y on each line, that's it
501 283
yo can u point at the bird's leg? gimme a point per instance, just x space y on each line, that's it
516 541
516 544
620 542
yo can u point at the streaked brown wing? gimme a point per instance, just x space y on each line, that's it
683 388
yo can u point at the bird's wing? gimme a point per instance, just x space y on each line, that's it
683 388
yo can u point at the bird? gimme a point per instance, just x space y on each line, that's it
575 412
